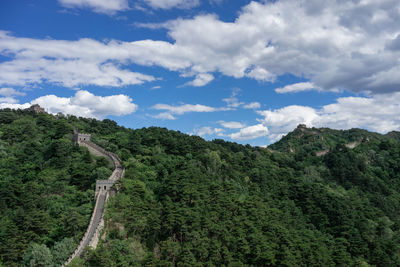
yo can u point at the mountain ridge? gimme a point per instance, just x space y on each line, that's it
187 201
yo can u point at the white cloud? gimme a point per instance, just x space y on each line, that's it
9 95
83 104
168 4
296 87
67 63
185 108
379 113
232 102
207 131
14 106
351 45
201 79
100 6
250 132
284 120
261 74
164 116
336 45
7 92
232 124
10 100
252 105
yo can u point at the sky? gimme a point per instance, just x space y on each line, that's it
243 71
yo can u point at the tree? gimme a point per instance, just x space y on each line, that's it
62 250
38 256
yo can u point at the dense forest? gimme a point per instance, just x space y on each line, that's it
318 197
46 189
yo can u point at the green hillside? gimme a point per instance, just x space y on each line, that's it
46 195
188 202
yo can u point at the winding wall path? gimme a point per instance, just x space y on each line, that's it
96 224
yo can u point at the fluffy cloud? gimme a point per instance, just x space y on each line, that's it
250 132
201 79
231 124
11 100
350 45
170 111
83 104
164 116
9 95
168 4
67 63
296 87
379 113
261 74
207 131
284 120
14 106
7 91
335 44
252 105
185 108
101 6
232 102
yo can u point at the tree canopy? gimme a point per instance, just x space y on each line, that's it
185 201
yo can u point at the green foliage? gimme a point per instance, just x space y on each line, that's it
46 187
188 202
184 201
62 250
38 256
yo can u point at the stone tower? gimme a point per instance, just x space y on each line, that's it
79 137
36 108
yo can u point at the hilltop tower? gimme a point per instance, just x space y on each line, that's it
81 137
36 108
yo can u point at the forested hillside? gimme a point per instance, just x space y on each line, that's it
188 202
46 189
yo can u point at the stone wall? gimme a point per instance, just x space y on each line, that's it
78 137
103 190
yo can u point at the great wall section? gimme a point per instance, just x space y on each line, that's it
102 192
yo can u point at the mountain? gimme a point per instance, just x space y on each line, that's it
185 201
314 140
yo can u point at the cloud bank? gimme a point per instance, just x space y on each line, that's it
296 87
83 103
379 113
345 45
250 132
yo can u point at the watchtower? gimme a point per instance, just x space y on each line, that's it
79 137
36 108
103 185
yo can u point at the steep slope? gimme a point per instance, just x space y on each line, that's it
46 188
188 202
185 201
103 190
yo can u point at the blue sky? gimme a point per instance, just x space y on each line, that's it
244 71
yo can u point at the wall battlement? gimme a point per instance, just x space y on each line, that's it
81 137
102 192
103 185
